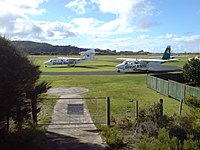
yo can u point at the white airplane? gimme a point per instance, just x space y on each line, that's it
144 64
87 55
196 57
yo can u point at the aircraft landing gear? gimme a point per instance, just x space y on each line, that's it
118 71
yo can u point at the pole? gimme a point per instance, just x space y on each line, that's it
161 107
181 106
108 111
136 110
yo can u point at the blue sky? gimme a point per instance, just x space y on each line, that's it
133 25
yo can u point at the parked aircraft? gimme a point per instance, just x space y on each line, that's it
87 55
144 64
196 57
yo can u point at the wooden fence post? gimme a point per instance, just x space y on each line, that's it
34 110
108 111
136 110
161 107
181 106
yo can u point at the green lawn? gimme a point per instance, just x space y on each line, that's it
120 88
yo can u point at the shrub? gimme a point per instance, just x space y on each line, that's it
192 101
125 123
113 137
191 143
150 120
162 142
191 71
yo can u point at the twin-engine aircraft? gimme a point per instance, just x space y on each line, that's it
87 55
145 64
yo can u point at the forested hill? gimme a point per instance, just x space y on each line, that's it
36 48
45 48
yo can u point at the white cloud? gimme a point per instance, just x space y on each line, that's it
128 12
122 32
150 43
87 26
21 7
192 38
131 15
16 25
77 5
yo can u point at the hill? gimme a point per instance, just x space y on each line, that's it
36 48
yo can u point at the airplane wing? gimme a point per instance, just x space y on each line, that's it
144 60
69 58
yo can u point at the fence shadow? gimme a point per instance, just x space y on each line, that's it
55 141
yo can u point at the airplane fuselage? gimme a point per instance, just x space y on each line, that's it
88 55
136 65
64 61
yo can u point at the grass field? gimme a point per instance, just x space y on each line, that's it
120 88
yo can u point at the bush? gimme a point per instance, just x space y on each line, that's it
162 142
191 143
181 127
150 120
113 137
191 71
192 101
125 123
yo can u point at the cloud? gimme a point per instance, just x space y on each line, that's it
16 25
77 5
22 7
130 15
128 12
150 43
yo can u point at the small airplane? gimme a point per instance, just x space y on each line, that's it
144 64
196 57
87 55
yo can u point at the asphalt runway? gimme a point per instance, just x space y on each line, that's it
83 73
157 69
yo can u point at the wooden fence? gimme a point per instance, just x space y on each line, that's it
172 88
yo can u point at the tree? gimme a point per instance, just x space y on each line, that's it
18 75
191 71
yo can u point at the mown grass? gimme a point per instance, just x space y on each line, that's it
120 88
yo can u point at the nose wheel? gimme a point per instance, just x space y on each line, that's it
118 71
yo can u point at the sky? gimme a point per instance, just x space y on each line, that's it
130 25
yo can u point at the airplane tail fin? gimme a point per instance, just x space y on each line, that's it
167 53
89 54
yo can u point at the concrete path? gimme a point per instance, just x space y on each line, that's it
69 130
